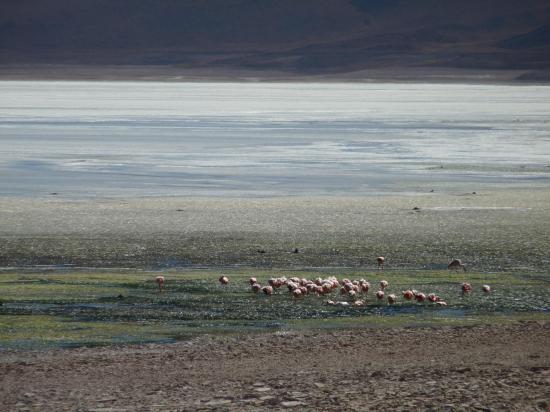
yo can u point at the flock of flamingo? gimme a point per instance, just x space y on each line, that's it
353 290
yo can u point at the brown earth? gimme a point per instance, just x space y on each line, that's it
490 367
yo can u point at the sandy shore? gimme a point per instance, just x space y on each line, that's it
504 367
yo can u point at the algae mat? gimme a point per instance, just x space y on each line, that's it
64 309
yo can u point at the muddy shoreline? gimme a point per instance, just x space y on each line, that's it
491 231
491 367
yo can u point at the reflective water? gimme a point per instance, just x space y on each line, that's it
262 139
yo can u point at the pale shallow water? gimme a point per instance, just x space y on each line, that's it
81 139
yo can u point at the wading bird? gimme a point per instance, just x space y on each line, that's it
420 297
160 282
408 294
224 280
432 297
381 260
456 264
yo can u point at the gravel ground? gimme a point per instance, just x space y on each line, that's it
492 367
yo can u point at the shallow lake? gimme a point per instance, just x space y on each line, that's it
269 139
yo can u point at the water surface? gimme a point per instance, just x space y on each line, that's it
269 139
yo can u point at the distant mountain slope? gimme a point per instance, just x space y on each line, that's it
536 38
297 36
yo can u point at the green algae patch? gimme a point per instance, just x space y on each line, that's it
62 309
429 320
38 331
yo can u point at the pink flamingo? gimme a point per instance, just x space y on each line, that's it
160 281
224 280
432 297
381 260
420 297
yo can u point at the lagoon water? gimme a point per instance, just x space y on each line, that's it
104 139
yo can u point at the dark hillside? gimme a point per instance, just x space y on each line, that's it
306 36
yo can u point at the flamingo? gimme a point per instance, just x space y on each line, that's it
268 290
381 260
380 294
486 288
253 280
392 299
420 297
292 286
432 297
312 287
327 287
408 294
456 264
224 280
383 284
160 281
256 287
466 288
